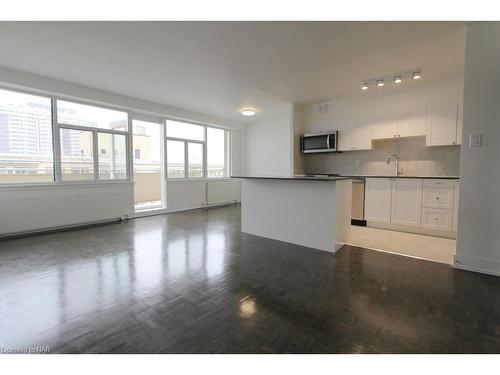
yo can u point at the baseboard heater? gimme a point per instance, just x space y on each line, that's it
64 228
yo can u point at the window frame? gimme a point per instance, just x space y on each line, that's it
54 171
57 126
204 152
131 114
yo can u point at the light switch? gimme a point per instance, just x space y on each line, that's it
475 140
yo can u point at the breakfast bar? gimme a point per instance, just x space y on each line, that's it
310 211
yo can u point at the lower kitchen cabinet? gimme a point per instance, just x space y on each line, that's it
406 203
378 193
437 219
428 206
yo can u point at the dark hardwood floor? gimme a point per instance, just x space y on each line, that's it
193 283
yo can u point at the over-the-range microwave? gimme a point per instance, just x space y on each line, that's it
319 142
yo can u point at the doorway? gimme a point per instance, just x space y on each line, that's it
148 157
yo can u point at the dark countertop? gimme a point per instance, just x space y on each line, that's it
297 178
404 176
325 177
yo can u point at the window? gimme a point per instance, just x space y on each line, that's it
85 128
176 159
77 155
195 160
26 152
196 151
112 163
91 116
184 130
216 153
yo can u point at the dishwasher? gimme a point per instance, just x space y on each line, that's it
358 202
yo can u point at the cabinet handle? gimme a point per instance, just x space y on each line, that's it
437 198
435 219
399 135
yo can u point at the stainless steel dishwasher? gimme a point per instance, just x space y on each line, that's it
358 202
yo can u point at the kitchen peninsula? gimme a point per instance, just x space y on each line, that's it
308 211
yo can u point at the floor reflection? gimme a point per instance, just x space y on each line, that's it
192 282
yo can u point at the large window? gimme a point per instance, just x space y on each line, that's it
196 151
26 151
217 153
93 142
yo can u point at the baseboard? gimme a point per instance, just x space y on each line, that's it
476 265
360 223
412 229
66 228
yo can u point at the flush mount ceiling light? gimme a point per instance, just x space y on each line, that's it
248 112
396 79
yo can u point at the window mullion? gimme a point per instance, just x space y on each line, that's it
56 143
204 155
186 159
95 147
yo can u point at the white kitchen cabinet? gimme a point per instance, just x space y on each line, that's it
411 122
460 118
437 219
406 202
384 125
346 134
378 199
362 133
455 206
442 124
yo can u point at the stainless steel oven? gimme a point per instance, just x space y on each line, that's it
319 142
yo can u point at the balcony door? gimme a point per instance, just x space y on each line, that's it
148 163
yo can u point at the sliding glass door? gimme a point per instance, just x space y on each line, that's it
147 156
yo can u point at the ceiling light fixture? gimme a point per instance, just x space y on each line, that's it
397 79
248 112
416 75
380 82
364 86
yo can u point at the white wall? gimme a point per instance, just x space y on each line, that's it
268 145
24 209
478 246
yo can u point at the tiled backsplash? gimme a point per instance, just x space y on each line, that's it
415 159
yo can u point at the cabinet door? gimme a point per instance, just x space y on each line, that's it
442 124
362 133
412 122
455 206
406 201
384 125
346 135
378 199
460 118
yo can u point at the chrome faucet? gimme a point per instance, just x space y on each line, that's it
396 158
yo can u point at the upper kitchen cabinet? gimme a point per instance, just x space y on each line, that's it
354 134
384 125
346 134
442 124
411 122
362 133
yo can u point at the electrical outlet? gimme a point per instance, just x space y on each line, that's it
475 140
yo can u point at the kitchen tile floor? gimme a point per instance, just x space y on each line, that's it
191 282
437 249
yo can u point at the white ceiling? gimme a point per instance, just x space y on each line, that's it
219 67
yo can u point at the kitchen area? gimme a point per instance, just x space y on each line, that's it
402 149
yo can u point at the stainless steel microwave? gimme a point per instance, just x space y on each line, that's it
319 142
